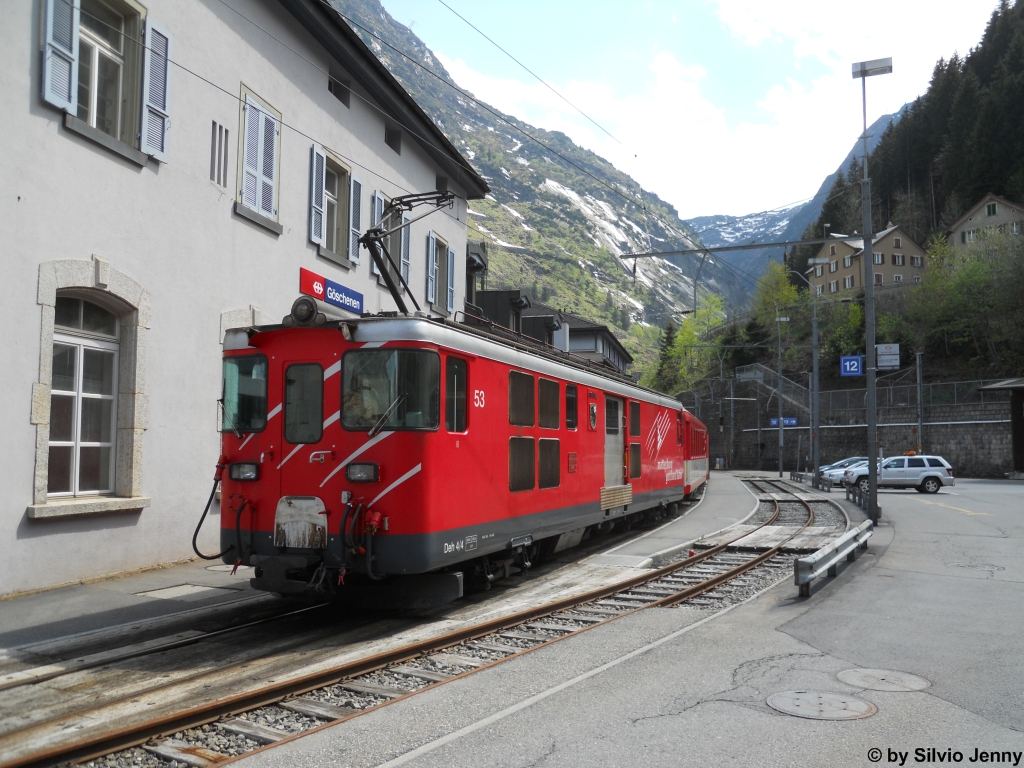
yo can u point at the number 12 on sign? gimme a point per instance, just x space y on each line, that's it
851 365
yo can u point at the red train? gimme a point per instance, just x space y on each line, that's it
392 446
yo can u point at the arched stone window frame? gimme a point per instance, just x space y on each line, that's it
96 281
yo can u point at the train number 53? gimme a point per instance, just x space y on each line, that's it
478 398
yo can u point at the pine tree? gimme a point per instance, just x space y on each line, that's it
666 376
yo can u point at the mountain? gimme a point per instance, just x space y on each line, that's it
554 227
782 224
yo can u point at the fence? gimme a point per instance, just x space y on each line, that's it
905 395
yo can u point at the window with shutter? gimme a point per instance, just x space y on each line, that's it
355 220
317 189
377 207
60 53
451 280
155 80
261 137
431 266
406 262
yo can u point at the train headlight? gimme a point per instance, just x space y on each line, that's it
244 471
362 473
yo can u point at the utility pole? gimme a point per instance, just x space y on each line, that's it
780 321
864 70
732 421
758 392
920 406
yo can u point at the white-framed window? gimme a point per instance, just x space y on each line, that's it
833 286
95 70
898 260
330 185
967 236
878 278
991 209
848 261
833 266
917 278
440 274
878 258
261 143
897 278
1016 227
817 271
819 289
83 399
831 250
897 242
917 261
848 282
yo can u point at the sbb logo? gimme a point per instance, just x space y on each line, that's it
318 288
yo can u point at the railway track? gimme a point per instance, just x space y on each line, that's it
205 733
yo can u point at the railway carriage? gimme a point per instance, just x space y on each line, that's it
394 446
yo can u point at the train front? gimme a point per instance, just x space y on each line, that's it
323 437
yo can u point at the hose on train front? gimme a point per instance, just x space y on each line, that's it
195 536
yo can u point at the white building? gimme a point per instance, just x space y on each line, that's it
169 166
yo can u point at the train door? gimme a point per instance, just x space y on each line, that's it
300 520
613 442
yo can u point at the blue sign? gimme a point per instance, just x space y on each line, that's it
343 297
787 421
851 365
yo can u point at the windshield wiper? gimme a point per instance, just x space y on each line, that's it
387 414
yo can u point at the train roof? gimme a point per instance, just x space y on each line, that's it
496 342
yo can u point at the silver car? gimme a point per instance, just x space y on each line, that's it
925 474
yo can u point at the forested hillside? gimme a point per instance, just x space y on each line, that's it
555 227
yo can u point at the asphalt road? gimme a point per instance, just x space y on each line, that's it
938 594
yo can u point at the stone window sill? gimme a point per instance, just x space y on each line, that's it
334 258
263 221
86 506
82 128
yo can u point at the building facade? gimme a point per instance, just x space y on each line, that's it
990 213
896 259
173 164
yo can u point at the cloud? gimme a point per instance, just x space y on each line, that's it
678 142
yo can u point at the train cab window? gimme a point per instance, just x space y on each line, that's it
245 394
520 464
634 419
549 463
455 395
520 399
303 403
571 415
547 397
391 389
634 460
611 416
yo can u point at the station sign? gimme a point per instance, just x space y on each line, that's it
787 421
851 365
319 287
887 357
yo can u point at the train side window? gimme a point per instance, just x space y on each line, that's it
520 399
634 459
520 464
634 419
303 403
571 414
549 463
611 416
547 400
455 395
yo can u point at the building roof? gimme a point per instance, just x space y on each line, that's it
974 208
577 323
329 29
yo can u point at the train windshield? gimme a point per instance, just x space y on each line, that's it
245 394
391 389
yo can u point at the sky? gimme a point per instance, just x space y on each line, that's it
717 106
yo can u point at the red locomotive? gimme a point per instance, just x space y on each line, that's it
389 446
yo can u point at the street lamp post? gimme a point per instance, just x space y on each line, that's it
815 450
780 321
864 70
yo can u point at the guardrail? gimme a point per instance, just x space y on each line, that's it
818 483
857 496
807 569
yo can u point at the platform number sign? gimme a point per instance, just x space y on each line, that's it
851 365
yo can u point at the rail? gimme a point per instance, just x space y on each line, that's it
807 569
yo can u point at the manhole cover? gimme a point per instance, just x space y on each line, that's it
817 705
883 680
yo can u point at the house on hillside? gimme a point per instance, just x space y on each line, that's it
172 165
896 259
992 212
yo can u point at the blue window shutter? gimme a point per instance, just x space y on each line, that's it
376 208
355 220
451 280
60 54
156 73
405 249
317 180
431 267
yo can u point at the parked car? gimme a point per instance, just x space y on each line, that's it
838 474
842 464
925 474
